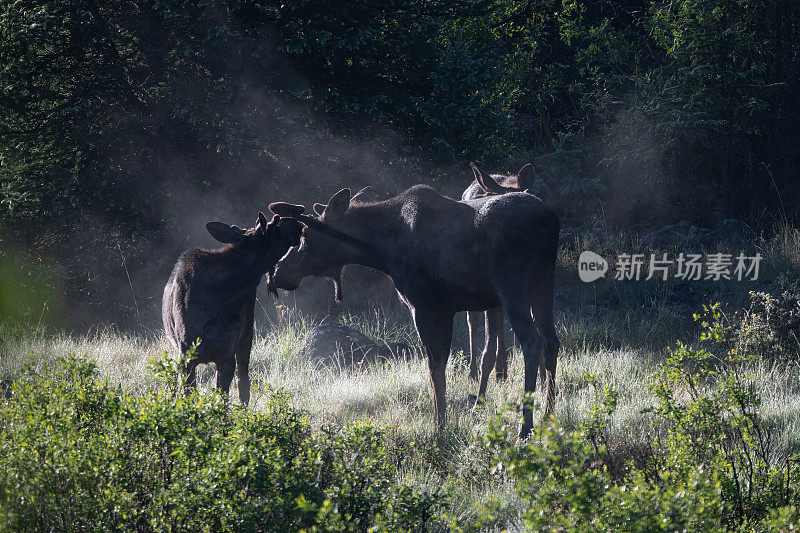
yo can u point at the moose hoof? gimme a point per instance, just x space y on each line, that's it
473 401
469 401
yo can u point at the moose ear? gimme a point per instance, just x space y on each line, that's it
363 194
261 224
284 209
337 205
224 232
486 182
526 176
319 209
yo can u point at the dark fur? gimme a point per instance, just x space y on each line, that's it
445 256
495 352
211 295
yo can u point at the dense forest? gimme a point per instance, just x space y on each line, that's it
124 126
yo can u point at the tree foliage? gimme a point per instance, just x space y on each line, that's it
123 116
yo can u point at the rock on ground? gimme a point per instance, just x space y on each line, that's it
685 233
336 345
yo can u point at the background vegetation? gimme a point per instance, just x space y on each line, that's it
126 125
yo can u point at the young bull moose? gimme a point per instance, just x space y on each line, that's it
211 295
495 351
444 256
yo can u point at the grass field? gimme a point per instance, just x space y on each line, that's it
613 334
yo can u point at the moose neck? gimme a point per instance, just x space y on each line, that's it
371 232
244 266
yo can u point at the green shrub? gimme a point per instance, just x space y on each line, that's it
714 464
567 488
79 454
711 411
772 325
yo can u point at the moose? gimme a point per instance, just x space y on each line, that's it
211 296
495 351
443 256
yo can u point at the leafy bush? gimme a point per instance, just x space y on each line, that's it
706 399
567 488
79 454
772 325
715 465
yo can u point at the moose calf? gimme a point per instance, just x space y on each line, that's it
211 294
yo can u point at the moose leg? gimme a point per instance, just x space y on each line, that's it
191 378
542 371
243 366
493 316
472 322
243 349
501 365
542 367
519 314
550 347
543 312
225 369
435 331
190 370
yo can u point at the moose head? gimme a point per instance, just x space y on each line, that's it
501 184
327 244
266 241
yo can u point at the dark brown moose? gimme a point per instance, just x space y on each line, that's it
495 352
211 295
444 256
